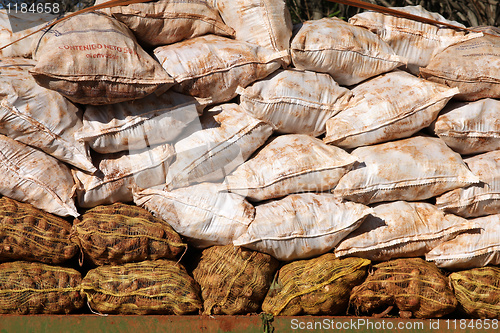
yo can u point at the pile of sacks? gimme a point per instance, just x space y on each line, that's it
376 139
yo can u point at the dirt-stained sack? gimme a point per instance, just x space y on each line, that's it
478 292
32 176
213 66
478 199
470 127
392 106
295 101
224 138
120 233
473 66
288 164
36 288
319 286
401 229
348 53
165 22
263 22
92 58
139 123
411 169
302 226
39 117
205 214
233 281
30 234
413 40
476 248
147 287
119 171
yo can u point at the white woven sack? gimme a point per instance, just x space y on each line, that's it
226 139
413 40
401 229
477 248
39 117
302 225
134 125
213 66
470 127
478 199
206 214
295 101
411 169
263 22
287 164
118 172
391 106
348 53
30 175
165 22
92 58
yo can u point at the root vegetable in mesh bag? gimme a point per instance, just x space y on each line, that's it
319 286
233 280
413 286
122 233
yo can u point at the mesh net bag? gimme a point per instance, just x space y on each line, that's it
148 287
478 291
28 233
121 233
417 288
36 288
234 280
319 286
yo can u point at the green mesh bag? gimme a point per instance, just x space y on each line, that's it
478 291
234 280
416 287
37 288
319 286
148 287
30 234
121 233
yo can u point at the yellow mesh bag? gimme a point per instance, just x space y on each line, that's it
28 233
234 280
416 287
319 286
36 288
148 287
122 233
478 291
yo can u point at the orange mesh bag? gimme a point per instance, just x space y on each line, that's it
319 286
234 280
417 288
34 288
478 291
148 287
121 233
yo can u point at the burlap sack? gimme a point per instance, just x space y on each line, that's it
147 287
233 280
288 164
92 58
470 127
392 106
401 229
295 101
301 225
348 53
319 286
411 169
478 199
30 175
